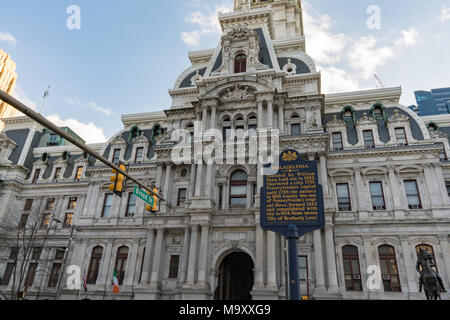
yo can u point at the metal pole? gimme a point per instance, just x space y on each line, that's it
66 254
49 125
292 236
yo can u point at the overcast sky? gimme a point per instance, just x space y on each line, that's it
127 54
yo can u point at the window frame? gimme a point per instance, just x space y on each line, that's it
380 183
181 201
107 196
57 174
127 211
238 183
411 206
94 265
372 140
397 137
351 258
389 258
121 261
341 141
141 157
117 151
36 176
340 204
79 173
174 266
240 63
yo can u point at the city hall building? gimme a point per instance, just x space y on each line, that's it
384 173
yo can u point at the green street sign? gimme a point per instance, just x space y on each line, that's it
141 194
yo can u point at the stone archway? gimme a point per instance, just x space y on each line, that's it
235 277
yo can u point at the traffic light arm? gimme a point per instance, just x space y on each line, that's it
49 125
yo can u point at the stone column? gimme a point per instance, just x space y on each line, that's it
270 114
159 177
192 181
199 180
167 182
281 118
260 115
318 259
410 265
148 252
203 259
259 255
271 261
445 248
441 183
212 123
433 190
204 119
209 178
131 264
155 277
192 256
106 259
395 190
184 256
331 259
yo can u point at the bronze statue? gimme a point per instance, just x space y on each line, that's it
429 279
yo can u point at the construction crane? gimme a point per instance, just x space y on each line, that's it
379 83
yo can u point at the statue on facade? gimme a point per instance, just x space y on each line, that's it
429 279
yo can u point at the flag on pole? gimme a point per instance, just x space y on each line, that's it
115 283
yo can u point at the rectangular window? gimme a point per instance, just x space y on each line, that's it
23 221
131 205
13 253
45 220
57 174
343 194
116 156
412 194
59 254
139 154
295 129
72 205
400 134
181 196
54 275
377 194
447 184
79 173
28 204
50 204
36 253
174 263
107 205
221 197
37 173
337 141
30 274
226 133
252 129
303 268
7 274
68 220
369 143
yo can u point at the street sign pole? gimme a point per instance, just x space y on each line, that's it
292 236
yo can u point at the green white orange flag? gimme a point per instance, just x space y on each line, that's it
115 283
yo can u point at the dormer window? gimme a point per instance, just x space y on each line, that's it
240 63
57 174
348 115
116 156
377 112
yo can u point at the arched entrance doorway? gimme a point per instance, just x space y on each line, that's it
235 279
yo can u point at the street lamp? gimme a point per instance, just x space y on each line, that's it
66 253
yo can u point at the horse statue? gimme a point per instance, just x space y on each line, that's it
430 280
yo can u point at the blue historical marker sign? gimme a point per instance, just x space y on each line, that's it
292 205
293 196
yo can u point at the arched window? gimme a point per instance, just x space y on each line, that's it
430 251
121 263
352 270
226 128
240 63
94 265
389 269
190 130
238 189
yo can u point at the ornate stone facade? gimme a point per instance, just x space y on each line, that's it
365 142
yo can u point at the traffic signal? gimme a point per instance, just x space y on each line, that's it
153 208
118 181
